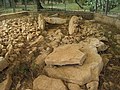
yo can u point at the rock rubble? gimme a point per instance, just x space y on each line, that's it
65 61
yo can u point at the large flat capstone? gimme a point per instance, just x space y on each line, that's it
67 54
77 74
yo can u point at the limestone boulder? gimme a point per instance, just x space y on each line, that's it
92 85
5 85
73 86
96 43
103 38
43 82
55 20
77 74
41 22
117 23
3 64
74 25
40 59
66 55
37 41
39 62
106 58
117 37
29 37
10 50
54 44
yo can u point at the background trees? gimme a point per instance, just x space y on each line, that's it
39 5
92 5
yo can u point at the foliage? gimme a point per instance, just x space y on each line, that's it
61 4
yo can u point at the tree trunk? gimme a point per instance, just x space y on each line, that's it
43 1
4 2
39 6
76 1
52 4
13 5
48 2
106 7
26 5
96 5
100 4
10 3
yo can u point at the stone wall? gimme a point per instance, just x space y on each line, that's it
107 20
85 15
13 15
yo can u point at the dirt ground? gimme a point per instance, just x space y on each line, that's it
110 75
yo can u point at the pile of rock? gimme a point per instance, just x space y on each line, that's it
76 64
20 38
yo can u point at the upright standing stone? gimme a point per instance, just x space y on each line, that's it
41 22
74 25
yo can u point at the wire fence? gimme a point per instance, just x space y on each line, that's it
6 7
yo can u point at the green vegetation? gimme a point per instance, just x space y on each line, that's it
69 6
111 6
